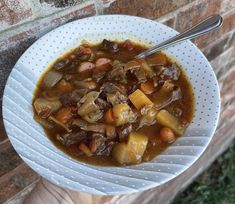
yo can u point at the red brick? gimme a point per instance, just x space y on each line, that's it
3 135
229 21
106 2
146 8
13 12
61 4
219 46
48 7
227 5
15 181
199 10
40 28
80 13
227 95
9 159
8 58
163 7
12 47
223 63
195 12
227 26
169 20
136 7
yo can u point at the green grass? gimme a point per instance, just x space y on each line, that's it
216 185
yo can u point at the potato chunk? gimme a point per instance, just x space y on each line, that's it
123 155
137 143
168 120
132 152
123 114
139 99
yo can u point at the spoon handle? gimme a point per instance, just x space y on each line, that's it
201 28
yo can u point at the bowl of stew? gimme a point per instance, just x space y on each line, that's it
85 114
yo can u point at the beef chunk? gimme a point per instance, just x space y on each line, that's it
110 88
73 97
118 73
98 75
109 146
104 105
98 141
116 98
140 75
172 72
109 46
124 131
71 138
113 93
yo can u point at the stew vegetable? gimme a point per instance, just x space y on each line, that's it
101 106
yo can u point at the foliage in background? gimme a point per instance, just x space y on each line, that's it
216 185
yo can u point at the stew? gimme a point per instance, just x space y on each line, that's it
101 106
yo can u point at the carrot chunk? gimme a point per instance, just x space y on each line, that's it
109 117
64 115
147 87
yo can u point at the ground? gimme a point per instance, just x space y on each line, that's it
214 186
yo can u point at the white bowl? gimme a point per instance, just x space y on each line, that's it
31 143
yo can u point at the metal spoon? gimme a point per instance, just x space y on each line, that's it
201 28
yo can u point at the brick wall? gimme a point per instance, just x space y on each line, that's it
23 21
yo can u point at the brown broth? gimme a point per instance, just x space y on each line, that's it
186 104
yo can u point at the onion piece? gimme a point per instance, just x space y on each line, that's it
94 116
42 106
52 78
147 69
132 65
89 110
157 59
88 103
